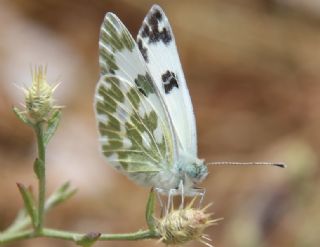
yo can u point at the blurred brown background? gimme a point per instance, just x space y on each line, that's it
253 71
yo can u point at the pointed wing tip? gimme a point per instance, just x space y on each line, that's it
111 17
109 14
156 6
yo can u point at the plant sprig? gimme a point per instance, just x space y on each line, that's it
43 117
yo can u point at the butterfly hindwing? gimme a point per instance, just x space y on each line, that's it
135 134
157 45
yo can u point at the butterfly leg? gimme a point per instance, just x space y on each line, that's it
195 192
159 192
165 208
171 194
182 194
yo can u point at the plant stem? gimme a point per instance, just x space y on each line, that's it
73 236
39 129
142 234
14 236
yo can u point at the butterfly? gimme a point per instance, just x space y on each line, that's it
145 118
144 112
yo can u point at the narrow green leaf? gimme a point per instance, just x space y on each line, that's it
63 193
29 203
53 124
150 210
38 168
89 239
22 116
64 187
21 217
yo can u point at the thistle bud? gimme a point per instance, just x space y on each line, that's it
38 97
183 225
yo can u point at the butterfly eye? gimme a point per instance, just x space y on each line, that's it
202 172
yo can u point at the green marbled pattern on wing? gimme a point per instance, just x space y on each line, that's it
136 134
114 38
129 138
114 35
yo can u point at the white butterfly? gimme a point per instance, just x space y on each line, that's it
145 118
143 108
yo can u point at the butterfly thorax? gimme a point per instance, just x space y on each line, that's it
188 169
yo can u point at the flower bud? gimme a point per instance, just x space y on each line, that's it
38 97
185 224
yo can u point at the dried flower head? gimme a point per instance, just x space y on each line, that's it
38 97
183 225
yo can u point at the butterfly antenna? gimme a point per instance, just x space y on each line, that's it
230 163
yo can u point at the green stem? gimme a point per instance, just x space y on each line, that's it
14 236
73 236
39 129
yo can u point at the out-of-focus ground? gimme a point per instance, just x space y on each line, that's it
253 71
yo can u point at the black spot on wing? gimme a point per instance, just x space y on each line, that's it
151 29
157 14
165 76
153 20
145 31
169 80
142 91
143 50
165 36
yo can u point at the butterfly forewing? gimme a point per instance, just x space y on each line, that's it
135 134
157 45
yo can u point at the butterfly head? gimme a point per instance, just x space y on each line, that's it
196 170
